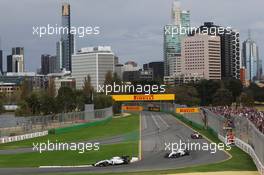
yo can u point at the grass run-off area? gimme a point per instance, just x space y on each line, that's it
114 127
240 162
58 158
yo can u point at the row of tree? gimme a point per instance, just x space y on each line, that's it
218 93
66 100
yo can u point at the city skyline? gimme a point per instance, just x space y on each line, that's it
136 36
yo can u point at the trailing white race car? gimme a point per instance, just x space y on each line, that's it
196 135
113 161
177 154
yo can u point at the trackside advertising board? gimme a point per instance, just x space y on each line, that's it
187 110
142 97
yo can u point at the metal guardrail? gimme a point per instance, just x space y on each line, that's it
41 123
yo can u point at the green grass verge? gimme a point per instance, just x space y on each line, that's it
240 161
115 126
58 158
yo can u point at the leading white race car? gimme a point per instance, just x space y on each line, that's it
113 161
103 163
177 154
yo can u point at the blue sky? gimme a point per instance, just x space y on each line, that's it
132 27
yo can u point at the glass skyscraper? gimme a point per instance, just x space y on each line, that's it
1 62
65 45
173 37
251 60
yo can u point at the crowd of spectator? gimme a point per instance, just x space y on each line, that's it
255 116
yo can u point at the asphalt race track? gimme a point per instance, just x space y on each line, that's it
156 130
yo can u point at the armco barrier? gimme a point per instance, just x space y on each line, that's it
23 137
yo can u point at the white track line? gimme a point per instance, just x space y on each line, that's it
163 121
77 166
144 122
155 121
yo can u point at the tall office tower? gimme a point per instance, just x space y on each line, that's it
1 62
1 58
18 51
157 68
15 62
48 64
93 61
65 47
230 48
9 63
173 37
251 60
201 55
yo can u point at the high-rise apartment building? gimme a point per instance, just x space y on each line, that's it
1 62
173 37
201 54
48 64
93 61
230 48
157 68
251 60
65 47
15 62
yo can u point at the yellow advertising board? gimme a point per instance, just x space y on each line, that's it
142 97
187 110
132 108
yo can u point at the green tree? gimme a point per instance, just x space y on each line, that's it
102 101
25 89
117 79
33 103
47 104
234 86
65 100
256 92
185 94
206 89
51 88
2 109
23 109
246 100
80 100
108 78
222 97
88 90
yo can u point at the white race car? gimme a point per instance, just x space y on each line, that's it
103 163
196 135
113 161
177 154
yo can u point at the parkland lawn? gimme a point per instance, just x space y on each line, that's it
114 127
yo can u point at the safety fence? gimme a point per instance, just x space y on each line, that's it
34 124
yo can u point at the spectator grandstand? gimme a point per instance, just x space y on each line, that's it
252 114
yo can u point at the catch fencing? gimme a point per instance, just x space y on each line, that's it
41 123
